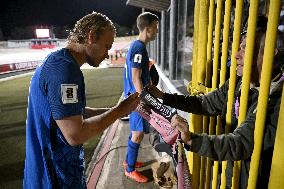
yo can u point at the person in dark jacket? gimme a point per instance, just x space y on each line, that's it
239 143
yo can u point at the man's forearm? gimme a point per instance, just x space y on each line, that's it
90 112
94 125
78 130
138 85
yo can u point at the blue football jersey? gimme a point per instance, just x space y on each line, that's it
57 90
137 57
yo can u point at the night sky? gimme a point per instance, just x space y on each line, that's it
15 13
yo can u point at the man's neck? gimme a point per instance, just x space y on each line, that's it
77 52
142 37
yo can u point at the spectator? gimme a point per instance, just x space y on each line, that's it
239 143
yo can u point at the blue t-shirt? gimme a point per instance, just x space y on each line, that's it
57 90
137 57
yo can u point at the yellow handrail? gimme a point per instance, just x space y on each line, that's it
224 61
195 40
215 76
225 44
202 40
200 78
270 43
193 159
232 80
210 42
201 73
203 159
208 79
249 52
277 166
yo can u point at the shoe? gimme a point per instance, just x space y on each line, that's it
135 175
138 164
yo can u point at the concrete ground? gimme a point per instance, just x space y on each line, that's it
112 174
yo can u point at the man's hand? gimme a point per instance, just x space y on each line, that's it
128 105
145 107
155 91
181 124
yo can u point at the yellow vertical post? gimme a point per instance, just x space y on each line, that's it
269 51
224 61
225 44
208 76
210 30
209 162
277 166
196 122
216 163
203 159
194 71
217 44
215 75
195 40
202 66
202 41
249 52
200 78
210 42
232 80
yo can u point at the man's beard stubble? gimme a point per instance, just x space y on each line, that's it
90 61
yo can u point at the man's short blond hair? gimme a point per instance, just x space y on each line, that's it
145 19
94 21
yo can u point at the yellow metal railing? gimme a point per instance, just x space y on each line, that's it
215 79
269 51
224 61
232 80
277 166
200 78
205 72
202 41
225 44
210 42
249 52
205 179
217 43
193 159
195 40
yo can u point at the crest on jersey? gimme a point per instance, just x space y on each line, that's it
69 93
138 58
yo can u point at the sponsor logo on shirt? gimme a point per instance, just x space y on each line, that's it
138 58
69 93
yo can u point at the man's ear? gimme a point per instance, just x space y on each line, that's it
145 30
275 52
91 37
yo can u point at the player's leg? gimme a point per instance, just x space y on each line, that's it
136 139
133 149
136 136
